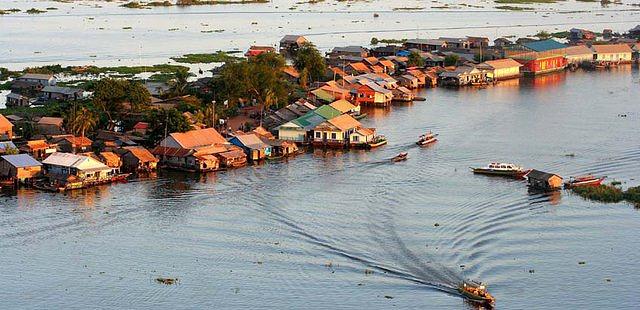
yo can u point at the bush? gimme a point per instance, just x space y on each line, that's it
602 193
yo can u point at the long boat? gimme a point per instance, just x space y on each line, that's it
585 180
501 169
476 292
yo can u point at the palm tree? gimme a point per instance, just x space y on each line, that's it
81 121
179 83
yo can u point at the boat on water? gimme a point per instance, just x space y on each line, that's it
476 292
427 138
400 157
584 180
501 169
377 142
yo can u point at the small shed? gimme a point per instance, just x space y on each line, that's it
544 180
20 167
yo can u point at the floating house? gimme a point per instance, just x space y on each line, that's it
409 81
300 130
501 69
374 95
6 128
534 63
502 42
403 94
138 159
112 160
337 132
578 54
252 145
543 180
462 76
612 53
71 171
20 167
196 150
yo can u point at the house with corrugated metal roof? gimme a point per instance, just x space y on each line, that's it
61 93
373 94
578 54
138 159
252 145
75 171
543 45
335 132
501 69
39 149
20 167
300 130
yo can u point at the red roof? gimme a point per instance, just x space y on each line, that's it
5 123
141 126
171 151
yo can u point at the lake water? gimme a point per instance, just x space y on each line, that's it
102 33
345 229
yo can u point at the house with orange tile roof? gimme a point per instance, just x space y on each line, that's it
389 66
357 68
38 149
619 53
256 50
198 150
72 144
6 128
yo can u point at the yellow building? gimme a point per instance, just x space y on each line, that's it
501 69
612 53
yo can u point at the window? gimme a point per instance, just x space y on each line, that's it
356 138
318 134
333 136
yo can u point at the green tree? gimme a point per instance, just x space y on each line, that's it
415 60
543 35
178 85
80 121
308 57
260 79
11 151
374 41
451 60
109 96
163 122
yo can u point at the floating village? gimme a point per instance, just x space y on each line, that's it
60 136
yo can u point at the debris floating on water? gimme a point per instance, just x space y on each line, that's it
167 281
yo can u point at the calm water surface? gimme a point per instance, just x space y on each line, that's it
307 233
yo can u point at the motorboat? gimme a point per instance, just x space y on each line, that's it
427 139
476 292
501 169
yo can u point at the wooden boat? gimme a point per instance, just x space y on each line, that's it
502 169
120 177
476 292
427 139
400 157
585 180
360 116
377 142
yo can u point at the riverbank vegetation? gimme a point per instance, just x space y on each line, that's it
219 56
609 194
